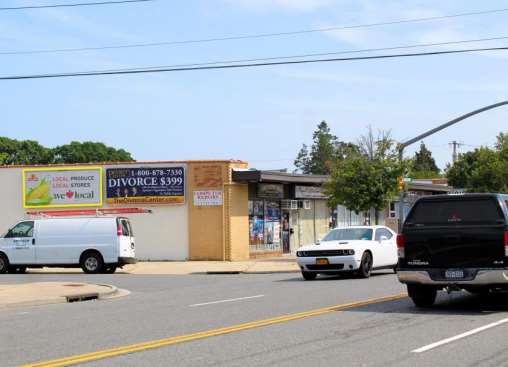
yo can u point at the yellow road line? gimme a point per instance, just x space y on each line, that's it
133 348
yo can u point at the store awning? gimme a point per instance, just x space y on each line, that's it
253 175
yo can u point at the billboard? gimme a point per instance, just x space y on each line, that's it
145 185
62 187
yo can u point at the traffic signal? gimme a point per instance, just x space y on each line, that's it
400 183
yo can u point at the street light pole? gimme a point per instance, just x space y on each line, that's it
409 142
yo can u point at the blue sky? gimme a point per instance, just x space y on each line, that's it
259 115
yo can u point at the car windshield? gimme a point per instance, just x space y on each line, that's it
349 234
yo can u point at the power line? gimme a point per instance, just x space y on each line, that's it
250 36
248 65
365 50
320 54
73 5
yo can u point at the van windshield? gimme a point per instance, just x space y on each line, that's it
456 212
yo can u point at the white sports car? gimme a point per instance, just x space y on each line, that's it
357 249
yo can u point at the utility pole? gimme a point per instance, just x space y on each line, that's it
455 144
407 143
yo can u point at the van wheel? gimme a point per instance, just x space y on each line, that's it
4 264
422 296
91 262
17 269
365 265
110 269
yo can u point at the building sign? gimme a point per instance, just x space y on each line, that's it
62 187
207 176
309 192
207 198
270 191
145 185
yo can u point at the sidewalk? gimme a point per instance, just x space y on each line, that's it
255 266
42 293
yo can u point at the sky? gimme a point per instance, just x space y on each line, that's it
261 115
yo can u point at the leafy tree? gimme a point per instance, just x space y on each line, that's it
366 178
459 173
482 170
89 152
423 164
23 152
31 152
325 150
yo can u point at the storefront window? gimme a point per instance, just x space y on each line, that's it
264 226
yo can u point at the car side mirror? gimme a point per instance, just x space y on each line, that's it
318 242
383 238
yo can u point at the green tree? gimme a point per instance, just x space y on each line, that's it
325 150
23 152
482 170
31 152
89 152
423 164
366 178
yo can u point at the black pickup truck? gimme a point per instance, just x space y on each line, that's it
454 242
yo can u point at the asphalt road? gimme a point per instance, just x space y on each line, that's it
382 333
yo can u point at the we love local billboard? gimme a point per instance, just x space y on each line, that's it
62 187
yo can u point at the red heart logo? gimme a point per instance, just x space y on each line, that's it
69 194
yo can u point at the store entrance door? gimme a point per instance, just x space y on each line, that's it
294 230
286 232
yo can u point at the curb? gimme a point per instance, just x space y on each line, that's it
219 272
111 293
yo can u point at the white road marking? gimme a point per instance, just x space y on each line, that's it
226 300
460 336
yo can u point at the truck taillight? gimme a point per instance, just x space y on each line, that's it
119 230
401 243
506 243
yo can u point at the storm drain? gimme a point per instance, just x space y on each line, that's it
82 297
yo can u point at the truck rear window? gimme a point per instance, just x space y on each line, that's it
456 212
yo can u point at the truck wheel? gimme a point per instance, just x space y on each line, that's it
308 275
365 265
4 264
481 291
91 262
422 296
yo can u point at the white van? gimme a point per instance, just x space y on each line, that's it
97 244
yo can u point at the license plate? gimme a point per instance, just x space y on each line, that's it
454 274
321 261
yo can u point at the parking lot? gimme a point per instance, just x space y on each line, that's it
276 319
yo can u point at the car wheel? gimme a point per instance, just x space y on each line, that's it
4 264
422 296
92 263
365 265
110 269
308 275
